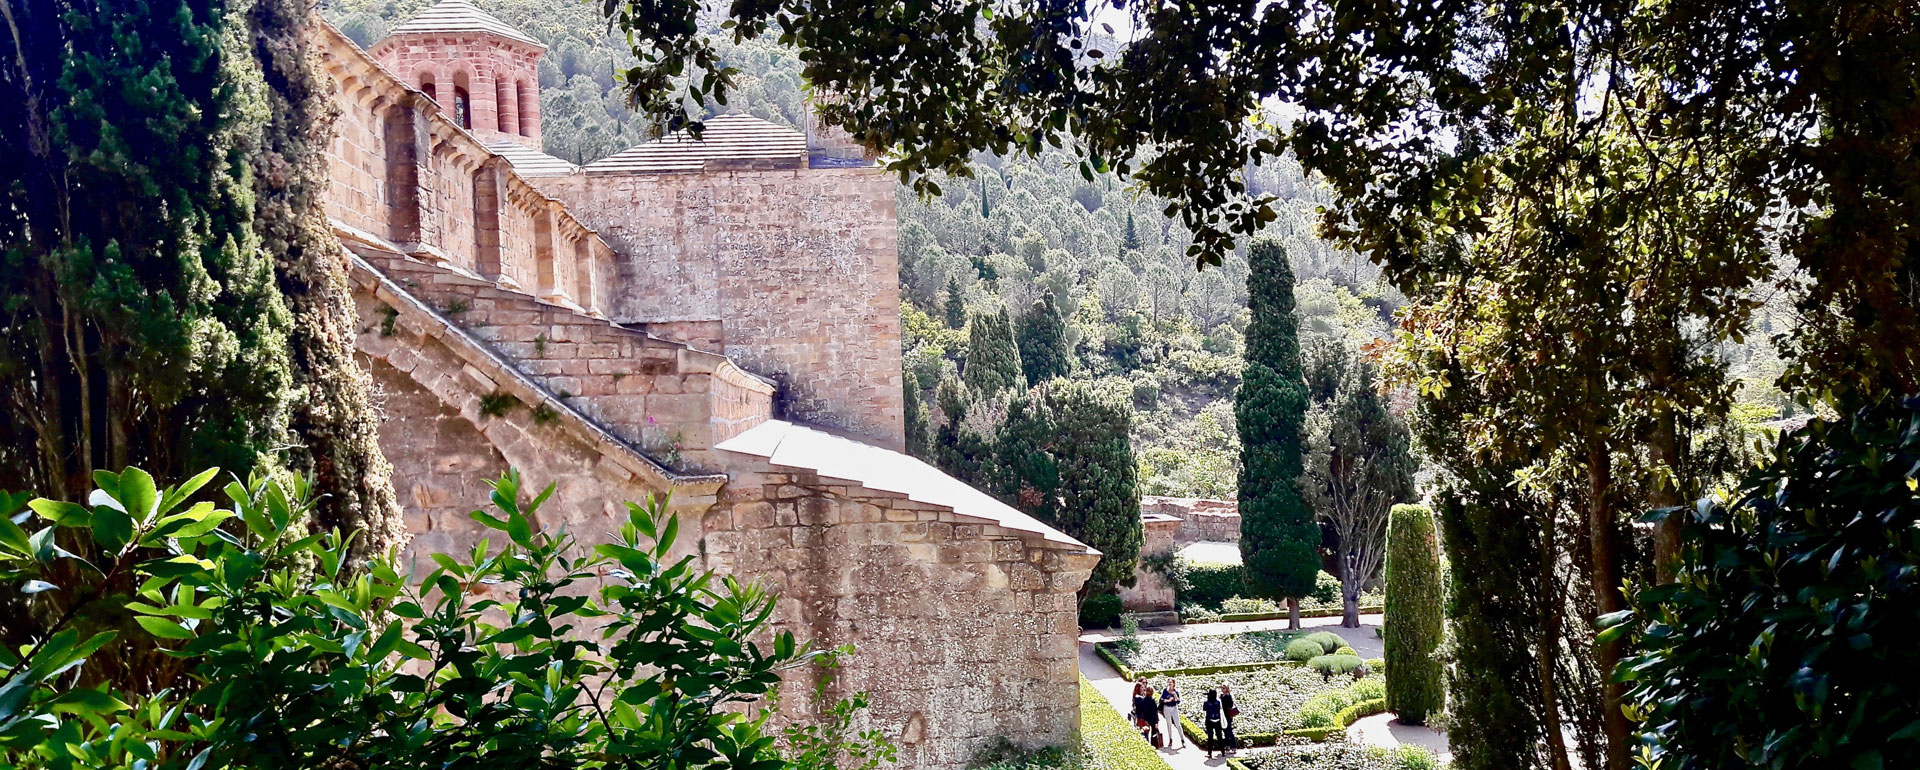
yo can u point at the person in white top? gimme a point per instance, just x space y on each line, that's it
1170 705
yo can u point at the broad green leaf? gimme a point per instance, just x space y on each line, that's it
163 628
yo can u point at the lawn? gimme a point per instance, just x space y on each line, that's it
1158 653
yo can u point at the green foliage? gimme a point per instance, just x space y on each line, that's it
993 362
1414 606
1279 542
1044 353
956 307
1494 616
1269 699
1338 665
958 449
497 403
1211 584
294 661
1099 611
1782 641
1108 741
1359 463
1345 756
919 440
140 321
1163 653
1303 650
1099 485
1328 640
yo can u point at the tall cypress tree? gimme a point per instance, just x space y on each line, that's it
1043 342
1279 541
957 449
956 309
1099 483
1132 240
993 361
1414 606
1026 469
919 443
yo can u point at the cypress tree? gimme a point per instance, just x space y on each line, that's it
1099 484
1043 342
1132 240
140 319
1279 541
956 309
1413 620
993 361
1494 611
919 443
1026 468
957 449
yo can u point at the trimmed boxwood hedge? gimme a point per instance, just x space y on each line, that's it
1131 674
1241 617
1414 602
1109 739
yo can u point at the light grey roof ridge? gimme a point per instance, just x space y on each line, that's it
460 16
734 136
789 445
529 162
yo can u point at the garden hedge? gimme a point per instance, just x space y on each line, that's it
1109 739
1104 653
1414 606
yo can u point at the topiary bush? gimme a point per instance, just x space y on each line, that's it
1211 584
1329 641
1414 605
1303 650
1243 606
1331 666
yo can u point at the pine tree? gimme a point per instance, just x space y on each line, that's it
956 309
986 209
1132 240
1279 540
1414 626
993 361
1359 464
1099 483
1043 342
919 444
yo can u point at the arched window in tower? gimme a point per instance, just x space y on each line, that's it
462 101
427 85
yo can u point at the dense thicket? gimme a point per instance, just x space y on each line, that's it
1279 541
1414 616
1794 591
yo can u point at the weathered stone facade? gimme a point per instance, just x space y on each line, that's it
1150 591
485 306
1201 520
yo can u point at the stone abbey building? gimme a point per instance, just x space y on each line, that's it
715 320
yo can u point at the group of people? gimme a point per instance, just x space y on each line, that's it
1150 708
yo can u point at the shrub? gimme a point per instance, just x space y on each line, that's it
1780 642
1344 756
1337 665
1370 688
1344 650
1328 641
1315 715
293 661
1413 608
1414 758
1100 611
1156 653
1303 650
1211 584
1326 589
1108 740
1242 606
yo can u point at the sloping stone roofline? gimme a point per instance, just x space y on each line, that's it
459 16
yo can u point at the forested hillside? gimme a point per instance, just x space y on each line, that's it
1139 319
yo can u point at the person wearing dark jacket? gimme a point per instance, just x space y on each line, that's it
1146 711
1216 737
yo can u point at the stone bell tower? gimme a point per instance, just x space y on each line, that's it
483 72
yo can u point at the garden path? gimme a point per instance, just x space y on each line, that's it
1377 730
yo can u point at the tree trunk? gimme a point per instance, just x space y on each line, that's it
1607 595
1549 647
1663 449
334 424
1349 595
1293 614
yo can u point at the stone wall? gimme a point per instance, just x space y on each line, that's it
1201 520
1150 592
798 269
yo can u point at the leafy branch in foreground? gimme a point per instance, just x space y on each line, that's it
533 653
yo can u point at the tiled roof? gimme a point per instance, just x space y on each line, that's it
530 162
794 446
729 141
460 16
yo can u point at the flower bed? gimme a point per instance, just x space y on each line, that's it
1107 740
1340 756
1161 653
1269 700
